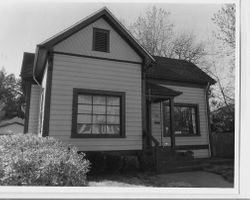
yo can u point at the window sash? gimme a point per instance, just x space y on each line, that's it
101 113
186 119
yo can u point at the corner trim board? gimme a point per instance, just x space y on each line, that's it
27 109
45 131
95 57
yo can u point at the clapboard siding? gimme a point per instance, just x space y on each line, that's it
193 96
81 43
76 72
34 109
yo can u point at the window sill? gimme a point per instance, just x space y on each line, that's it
97 136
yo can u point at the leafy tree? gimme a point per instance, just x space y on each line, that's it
11 95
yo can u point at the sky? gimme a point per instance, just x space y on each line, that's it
24 24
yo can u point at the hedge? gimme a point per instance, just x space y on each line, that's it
44 161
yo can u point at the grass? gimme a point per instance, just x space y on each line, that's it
137 180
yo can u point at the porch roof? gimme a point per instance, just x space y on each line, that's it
159 93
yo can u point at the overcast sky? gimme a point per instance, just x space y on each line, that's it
23 25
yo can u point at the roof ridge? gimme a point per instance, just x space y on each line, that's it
73 25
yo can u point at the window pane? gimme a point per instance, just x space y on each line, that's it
113 120
185 120
84 128
84 108
113 101
193 121
167 120
113 129
99 100
87 99
99 119
83 118
114 110
99 109
99 129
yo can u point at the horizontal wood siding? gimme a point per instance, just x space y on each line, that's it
34 109
74 72
193 96
82 43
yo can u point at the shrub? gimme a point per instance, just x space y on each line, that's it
98 162
147 163
131 164
114 163
32 160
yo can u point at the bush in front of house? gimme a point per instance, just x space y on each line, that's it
44 161
98 163
112 163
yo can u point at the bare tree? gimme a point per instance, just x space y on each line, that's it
220 61
225 21
187 47
154 31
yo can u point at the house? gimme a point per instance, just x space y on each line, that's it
11 126
94 86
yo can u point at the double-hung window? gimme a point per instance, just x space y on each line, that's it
98 113
185 119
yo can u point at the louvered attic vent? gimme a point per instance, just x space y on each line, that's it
100 40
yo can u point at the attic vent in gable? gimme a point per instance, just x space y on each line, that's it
100 40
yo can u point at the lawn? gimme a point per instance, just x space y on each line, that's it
181 179
136 180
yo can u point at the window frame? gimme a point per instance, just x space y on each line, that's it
197 120
94 39
78 91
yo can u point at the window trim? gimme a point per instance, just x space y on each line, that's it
197 120
76 92
103 31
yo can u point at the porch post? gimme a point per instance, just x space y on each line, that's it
172 135
149 141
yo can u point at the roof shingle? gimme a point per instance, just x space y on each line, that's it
178 70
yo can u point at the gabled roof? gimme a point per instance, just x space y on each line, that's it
42 49
111 19
178 70
27 66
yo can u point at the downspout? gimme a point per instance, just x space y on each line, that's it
208 122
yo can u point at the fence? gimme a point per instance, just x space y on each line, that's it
222 144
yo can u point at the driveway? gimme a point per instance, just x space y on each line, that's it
195 179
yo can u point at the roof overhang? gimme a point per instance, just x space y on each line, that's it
158 93
43 48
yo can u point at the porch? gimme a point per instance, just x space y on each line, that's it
173 129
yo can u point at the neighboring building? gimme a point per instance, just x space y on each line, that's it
11 126
94 86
